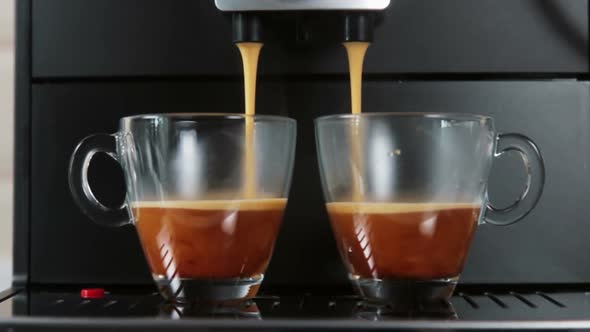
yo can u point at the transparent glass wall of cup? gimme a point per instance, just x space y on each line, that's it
406 191
205 235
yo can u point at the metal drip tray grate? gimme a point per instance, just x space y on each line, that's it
146 311
530 300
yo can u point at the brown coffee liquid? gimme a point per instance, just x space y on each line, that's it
250 53
404 241
208 239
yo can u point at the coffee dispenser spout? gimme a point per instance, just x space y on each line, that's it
358 27
246 27
358 23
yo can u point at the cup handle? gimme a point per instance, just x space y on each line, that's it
80 188
535 170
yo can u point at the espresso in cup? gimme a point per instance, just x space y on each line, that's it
405 193
404 241
208 239
207 227
206 193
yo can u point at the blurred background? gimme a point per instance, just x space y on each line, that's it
6 138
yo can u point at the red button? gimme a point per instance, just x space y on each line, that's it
92 293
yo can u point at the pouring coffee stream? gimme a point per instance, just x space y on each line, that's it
356 55
250 52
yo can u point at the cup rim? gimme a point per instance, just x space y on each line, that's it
424 115
188 116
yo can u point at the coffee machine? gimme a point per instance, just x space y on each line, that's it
82 65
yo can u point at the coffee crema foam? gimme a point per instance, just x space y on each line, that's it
242 205
387 208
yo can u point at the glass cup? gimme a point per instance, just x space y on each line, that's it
206 193
405 193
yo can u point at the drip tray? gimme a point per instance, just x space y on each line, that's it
145 311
